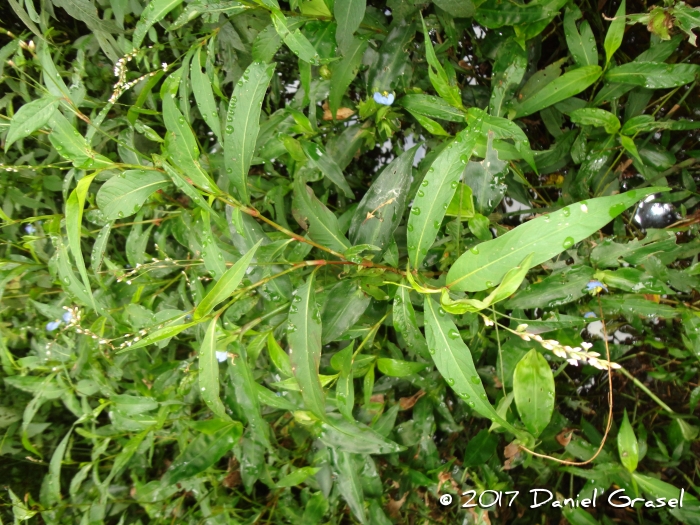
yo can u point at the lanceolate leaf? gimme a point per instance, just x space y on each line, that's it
355 437
348 14
438 77
653 75
124 194
209 372
319 158
581 44
182 146
30 118
225 286
74 223
383 206
344 306
154 12
345 70
304 337
203 94
71 145
319 220
243 124
349 484
203 452
295 40
508 72
432 107
627 445
485 265
613 38
435 193
533 386
454 361
567 85
404 318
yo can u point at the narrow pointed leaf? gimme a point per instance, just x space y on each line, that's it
243 124
404 318
154 12
225 286
616 30
435 193
453 359
74 221
320 222
319 159
124 194
383 205
203 94
569 84
209 372
345 70
304 338
627 445
533 386
485 265
348 14
30 118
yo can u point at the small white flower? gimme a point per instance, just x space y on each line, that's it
221 356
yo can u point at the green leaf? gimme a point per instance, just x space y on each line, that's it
653 75
352 436
297 477
68 279
486 264
344 388
345 304
596 117
295 40
211 254
457 8
53 479
462 204
349 484
154 12
627 445
487 181
345 70
266 44
304 338
320 222
432 107
631 148
398 367
209 372
480 449
243 124
74 222
72 146
203 94
124 456
688 513
508 71
645 123
613 38
582 45
124 194
29 118
554 290
383 205
349 15
181 145
453 359
322 161
435 193
247 396
510 283
430 125
438 77
404 319
203 452
278 356
392 60
224 287
569 84
533 386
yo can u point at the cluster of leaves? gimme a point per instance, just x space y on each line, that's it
290 263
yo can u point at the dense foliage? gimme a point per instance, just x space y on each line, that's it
335 262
